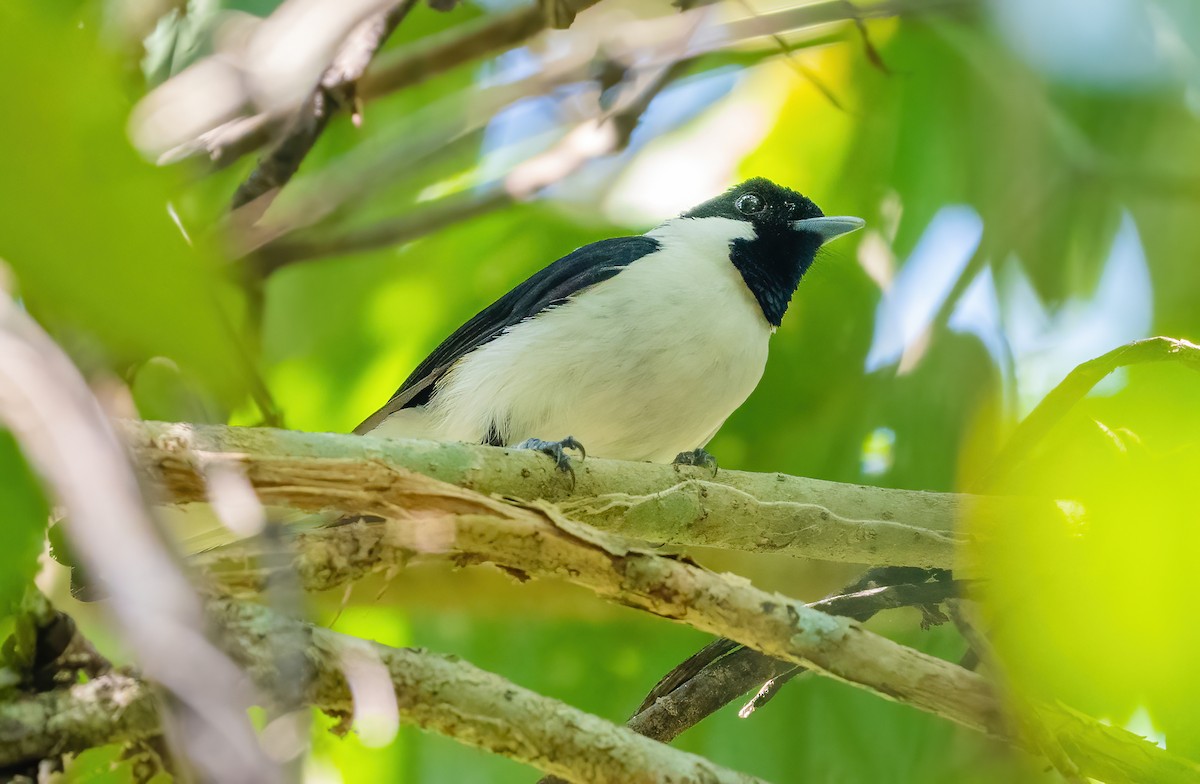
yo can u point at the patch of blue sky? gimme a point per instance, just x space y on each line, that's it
924 281
1033 345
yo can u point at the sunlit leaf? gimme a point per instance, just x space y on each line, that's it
101 765
1094 608
85 222
24 525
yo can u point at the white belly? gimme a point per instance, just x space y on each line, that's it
643 366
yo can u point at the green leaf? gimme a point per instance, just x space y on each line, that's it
86 223
23 528
101 765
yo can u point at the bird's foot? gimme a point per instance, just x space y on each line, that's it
697 457
562 461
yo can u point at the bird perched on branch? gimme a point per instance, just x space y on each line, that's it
638 347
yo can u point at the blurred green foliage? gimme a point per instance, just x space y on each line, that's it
24 528
1097 612
86 224
101 765
1100 618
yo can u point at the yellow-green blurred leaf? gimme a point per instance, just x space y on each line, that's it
84 222
24 525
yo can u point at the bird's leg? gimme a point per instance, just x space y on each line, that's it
697 457
562 461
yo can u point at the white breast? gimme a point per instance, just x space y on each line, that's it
641 367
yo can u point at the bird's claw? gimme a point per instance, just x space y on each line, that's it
562 461
697 457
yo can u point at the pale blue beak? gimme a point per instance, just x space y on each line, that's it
829 228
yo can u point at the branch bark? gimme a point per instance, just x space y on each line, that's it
461 45
658 503
428 515
439 693
229 141
114 707
605 134
449 696
527 543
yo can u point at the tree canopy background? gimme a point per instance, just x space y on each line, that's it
1029 173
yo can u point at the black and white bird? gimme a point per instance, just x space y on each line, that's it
638 347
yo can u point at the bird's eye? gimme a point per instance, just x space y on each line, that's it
749 204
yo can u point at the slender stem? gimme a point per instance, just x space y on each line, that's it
1074 388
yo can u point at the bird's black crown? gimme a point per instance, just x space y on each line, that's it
776 258
759 201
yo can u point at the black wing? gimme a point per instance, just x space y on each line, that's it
552 286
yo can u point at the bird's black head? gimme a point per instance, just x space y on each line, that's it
788 230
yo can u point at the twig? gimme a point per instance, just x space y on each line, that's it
657 503
724 672
335 90
568 156
459 46
830 11
800 68
425 220
334 191
531 176
1074 388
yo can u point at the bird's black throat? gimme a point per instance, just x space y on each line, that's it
772 265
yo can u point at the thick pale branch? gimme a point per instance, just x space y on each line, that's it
430 515
439 693
527 543
449 696
726 605
657 503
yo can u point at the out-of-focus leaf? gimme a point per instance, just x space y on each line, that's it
1117 45
23 528
1095 608
178 40
162 392
85 223
101 765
